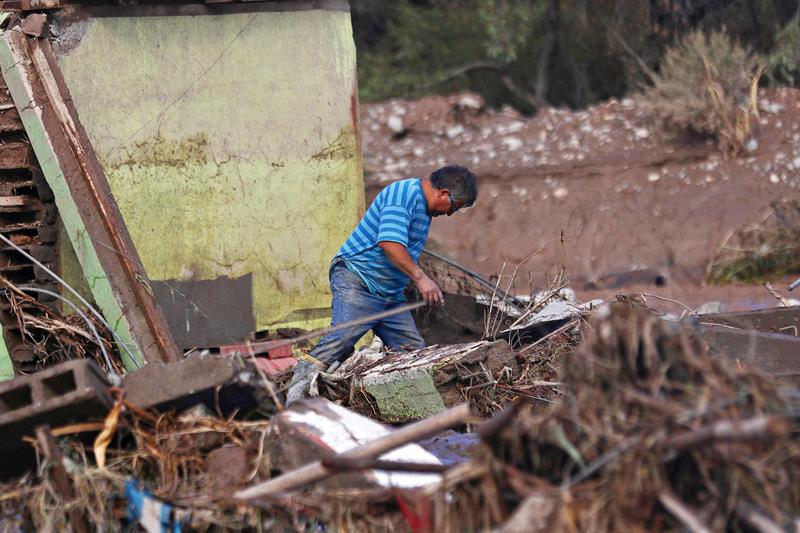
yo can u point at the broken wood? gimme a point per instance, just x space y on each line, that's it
60 476
759 427
316 471
682 512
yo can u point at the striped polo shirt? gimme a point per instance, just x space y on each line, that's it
399 214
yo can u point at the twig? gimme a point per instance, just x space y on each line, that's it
757 518
682 512
756 428
776 293
562 329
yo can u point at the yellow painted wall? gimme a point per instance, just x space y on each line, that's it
230 144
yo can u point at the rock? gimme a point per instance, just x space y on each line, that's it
454 131
560 193
228 468
471 101
774 178
512 143
653 177
641 134
751 145
771 107
395 124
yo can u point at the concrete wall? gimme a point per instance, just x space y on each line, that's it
229 137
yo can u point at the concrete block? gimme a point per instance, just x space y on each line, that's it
312 429
404 395
216 382
413 385
773 353
65 393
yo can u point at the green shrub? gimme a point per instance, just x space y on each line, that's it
706 84
760 251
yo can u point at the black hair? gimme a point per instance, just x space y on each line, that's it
462 184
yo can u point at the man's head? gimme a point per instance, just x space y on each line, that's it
453 187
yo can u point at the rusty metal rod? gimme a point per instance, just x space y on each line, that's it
358 322
337 462
316 471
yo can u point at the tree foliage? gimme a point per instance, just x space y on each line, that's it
557 52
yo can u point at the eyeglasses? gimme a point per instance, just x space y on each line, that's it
453 206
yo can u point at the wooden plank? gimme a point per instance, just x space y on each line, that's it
15 154
14 201
9 120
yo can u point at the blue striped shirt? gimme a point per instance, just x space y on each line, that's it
398 214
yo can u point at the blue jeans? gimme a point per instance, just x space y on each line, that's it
352 301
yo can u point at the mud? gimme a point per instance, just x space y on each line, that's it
626 194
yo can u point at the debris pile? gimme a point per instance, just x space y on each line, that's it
640 429
654 434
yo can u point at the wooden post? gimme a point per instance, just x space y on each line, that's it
60 476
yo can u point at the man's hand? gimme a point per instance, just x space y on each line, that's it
400 257
430 291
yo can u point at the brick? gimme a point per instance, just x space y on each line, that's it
270 348
275 366
66 393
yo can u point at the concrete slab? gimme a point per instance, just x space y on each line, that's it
216 382
773 353
777 320
312 429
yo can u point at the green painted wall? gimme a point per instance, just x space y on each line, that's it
230 144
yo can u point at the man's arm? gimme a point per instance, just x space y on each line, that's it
399 256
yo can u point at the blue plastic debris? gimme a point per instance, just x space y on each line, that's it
153 515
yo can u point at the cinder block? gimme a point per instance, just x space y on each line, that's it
66 393
217 382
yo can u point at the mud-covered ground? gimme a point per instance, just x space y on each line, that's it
625 194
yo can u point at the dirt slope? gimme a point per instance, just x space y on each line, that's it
626 194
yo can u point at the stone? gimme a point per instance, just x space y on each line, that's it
395 125
512 144
454 131
228 468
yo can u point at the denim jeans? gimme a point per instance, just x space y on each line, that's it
352 301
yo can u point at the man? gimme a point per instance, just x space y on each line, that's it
373 266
